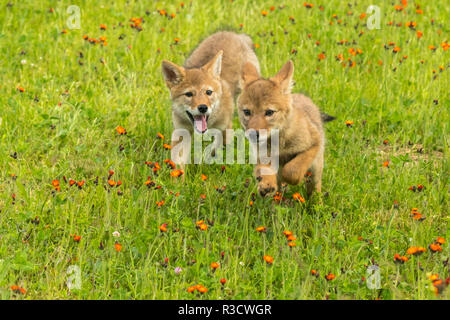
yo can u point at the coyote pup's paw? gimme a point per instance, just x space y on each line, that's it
267 185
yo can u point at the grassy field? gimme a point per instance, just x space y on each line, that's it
63 97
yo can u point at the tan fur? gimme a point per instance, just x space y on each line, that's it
301 135
215 65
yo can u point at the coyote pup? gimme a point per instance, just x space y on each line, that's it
204 89
269 104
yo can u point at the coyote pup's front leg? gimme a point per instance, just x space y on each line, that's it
294 171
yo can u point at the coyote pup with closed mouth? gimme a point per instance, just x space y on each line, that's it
269 104
204 89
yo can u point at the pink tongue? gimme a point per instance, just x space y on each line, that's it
200 123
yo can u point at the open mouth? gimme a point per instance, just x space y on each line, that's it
199 122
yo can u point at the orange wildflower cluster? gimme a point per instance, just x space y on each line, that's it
261 229
136 23
436 246
416 251
197 287
277 197
201 225
296 196
55 184
18 290
439 285
416 215
400 259
290 238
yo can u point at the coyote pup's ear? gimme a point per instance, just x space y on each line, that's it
284 77
173 74
214 66
249 74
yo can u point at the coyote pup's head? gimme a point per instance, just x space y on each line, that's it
265 104
195 92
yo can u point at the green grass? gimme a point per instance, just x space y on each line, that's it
64 123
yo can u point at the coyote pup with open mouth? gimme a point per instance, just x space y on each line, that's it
266 105
204 89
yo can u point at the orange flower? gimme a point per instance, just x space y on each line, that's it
396 49
313 272
167 146
321 56
103 27
291 238
264 13
203 177
362 16
176 173
268 259
163 12
398 8
170 163
223 281
120 130
202 289
435 247
191 289
400 259
18 289
21 89
76 238
163 227
287 233
176 40
215 265
434 277
349 123
386 164
203 227
261 229
440 240
160 136
160 203
416 251
277 197
55 184
118 246
298 197
80 184
291 244
432 48
112 183
330 277
308 5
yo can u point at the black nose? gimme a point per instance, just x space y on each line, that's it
202 108
257 135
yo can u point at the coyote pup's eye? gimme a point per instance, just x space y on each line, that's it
208 92
189 94
247 112
269 113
